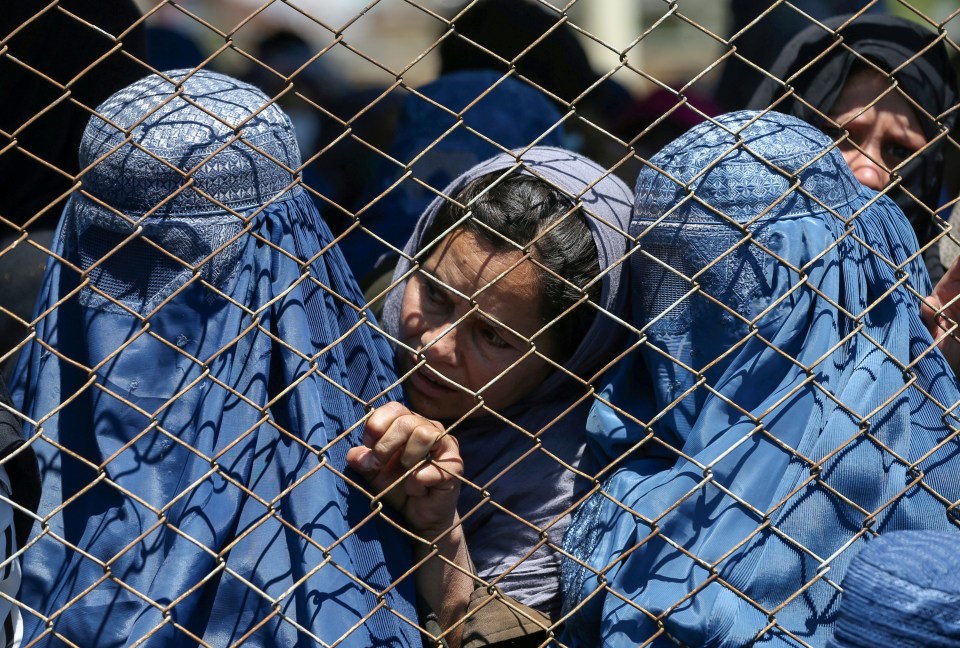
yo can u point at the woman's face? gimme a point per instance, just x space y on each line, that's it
886 134
473 327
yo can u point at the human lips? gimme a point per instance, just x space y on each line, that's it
428 383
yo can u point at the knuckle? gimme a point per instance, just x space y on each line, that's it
382 417
390 410
425 434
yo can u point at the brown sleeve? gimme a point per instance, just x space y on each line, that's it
494 619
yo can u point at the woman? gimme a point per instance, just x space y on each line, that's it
884 93
197 375
784 403
504 309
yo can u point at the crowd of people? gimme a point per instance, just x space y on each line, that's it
505 386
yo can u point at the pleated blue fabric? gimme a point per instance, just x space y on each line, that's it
200 369
902 590
784 405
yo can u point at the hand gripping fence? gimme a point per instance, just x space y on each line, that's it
233 232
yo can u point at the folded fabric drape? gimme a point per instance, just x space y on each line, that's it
784 405
200 368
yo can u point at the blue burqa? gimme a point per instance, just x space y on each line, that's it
200 368
784 405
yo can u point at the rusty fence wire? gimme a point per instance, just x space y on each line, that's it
371 160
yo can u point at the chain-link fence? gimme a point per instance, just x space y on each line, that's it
655 411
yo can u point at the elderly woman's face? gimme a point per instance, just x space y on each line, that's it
885 134
470 313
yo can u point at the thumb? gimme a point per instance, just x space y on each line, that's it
364 461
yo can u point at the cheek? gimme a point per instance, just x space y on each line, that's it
849 153
866 170
412 320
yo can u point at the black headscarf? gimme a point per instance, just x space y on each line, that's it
507 28
888 42
69 44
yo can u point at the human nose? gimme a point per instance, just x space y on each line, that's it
867 172
438 345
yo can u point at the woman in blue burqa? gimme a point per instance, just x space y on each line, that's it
784 406
199 369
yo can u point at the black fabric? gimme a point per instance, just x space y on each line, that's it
888 42
21 271
21 469
507 28
755 24
52 47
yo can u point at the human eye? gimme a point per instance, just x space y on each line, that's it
493 337
897 152
432 291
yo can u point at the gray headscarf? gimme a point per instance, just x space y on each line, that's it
540 487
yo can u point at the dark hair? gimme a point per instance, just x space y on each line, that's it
522 211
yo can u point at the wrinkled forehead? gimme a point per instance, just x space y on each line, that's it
867 89
474 268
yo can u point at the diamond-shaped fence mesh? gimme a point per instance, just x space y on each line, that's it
465 323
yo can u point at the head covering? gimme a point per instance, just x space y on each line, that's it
447 127
902 590
522 35
918 61
752 27
198 373
783 402
524 459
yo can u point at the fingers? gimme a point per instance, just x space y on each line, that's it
937 316
414 463
930 311
363 461
380 421
393 434
421 437
394 430
441 473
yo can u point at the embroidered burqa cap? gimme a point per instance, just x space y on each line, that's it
902 590
201 367
177 161
783 402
